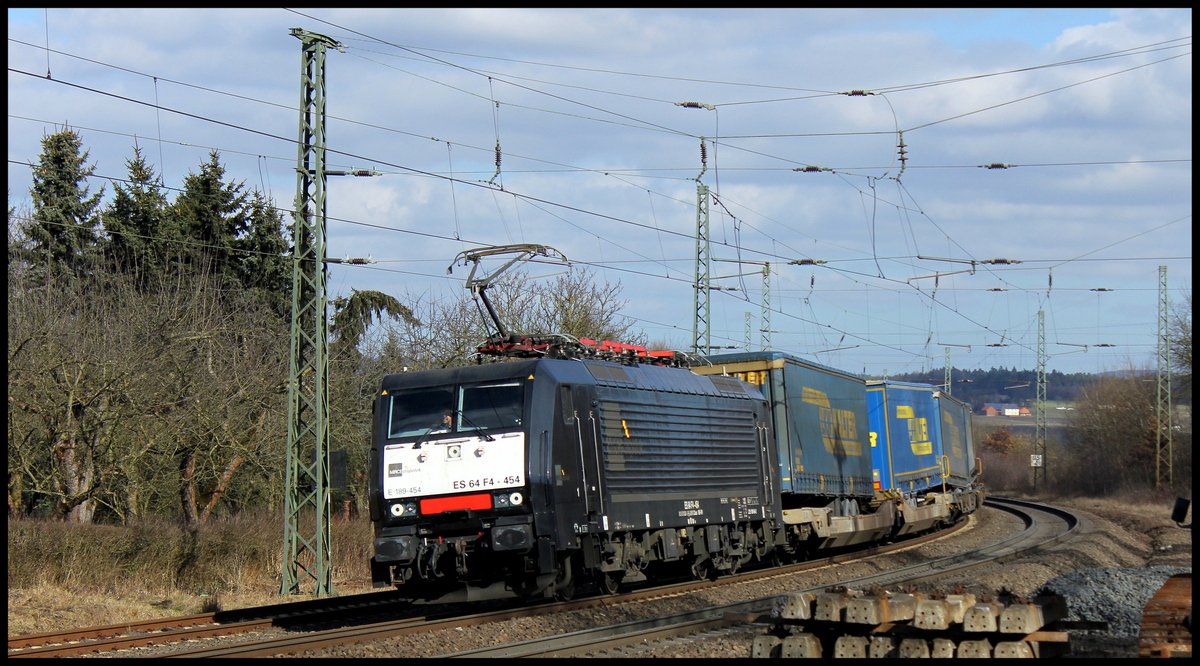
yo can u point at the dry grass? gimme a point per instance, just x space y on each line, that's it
1141 512
46 608
68 576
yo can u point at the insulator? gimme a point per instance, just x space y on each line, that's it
703 151
996 166
497 154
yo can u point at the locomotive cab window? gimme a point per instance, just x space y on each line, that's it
490 406
414 413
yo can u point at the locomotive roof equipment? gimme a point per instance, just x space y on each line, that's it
478 286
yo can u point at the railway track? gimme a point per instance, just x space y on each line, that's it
1044 528
190 627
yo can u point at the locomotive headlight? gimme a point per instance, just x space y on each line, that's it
501 500
479 452
515 499
397 510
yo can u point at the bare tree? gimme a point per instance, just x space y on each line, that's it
574 304
1110 438
228 364
76 369
1181 343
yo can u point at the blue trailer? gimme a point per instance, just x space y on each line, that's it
954 428
905 450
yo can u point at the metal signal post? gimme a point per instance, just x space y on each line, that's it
306 532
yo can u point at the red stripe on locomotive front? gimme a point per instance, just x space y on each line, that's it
440 504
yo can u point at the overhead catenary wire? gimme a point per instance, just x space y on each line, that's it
737 244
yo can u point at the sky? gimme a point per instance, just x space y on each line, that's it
1056 140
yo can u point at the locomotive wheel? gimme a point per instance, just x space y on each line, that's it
608 581
564 583
566 593
702 569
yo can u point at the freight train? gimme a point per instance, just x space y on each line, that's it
537 476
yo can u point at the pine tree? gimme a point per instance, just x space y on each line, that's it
211 214
353 315
262 259
62 232
140 237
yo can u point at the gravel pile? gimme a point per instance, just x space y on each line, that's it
1116 596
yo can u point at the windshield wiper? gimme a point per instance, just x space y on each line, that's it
481 431
429 430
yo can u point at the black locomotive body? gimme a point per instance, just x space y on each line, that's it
528 477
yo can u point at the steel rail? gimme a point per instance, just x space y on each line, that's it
164 630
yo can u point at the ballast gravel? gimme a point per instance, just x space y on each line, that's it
1115 596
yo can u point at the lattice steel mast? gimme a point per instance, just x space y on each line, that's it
701 335
306 538
1164 472
766 306
949 386
1039 439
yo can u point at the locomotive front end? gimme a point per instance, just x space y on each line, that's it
450 488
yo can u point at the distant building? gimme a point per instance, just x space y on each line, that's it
1004 409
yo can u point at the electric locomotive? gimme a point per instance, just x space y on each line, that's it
526 477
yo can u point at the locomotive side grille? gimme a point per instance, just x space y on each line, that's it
670 448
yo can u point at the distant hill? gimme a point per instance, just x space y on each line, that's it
1004 385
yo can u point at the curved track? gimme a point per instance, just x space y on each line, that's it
1045 527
